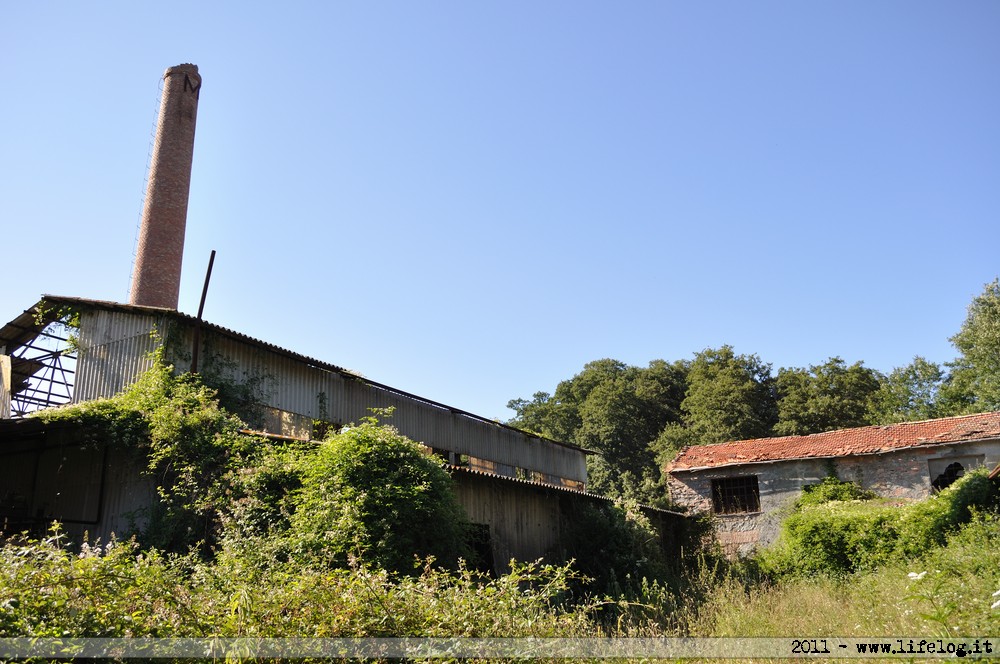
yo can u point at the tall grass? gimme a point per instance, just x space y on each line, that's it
50 589
945 592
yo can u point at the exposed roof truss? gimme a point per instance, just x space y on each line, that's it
42 352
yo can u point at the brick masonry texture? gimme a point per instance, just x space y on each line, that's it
156 276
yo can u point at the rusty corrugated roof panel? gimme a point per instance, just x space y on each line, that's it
843 442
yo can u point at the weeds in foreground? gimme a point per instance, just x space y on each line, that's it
49 589
947 592
117 590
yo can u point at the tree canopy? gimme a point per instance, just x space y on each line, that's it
638 418
616 410
975 384
910 393
825 397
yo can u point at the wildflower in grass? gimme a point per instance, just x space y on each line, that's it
996 604
915 576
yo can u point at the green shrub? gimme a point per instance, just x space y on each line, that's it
832 489
838 537
615 547
926 524
262 494
370 493
841 537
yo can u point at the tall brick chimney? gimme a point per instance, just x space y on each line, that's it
156 277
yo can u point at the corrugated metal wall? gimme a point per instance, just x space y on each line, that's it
52 474
115 347
524 522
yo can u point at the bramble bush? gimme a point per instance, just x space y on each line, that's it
844 536
371 493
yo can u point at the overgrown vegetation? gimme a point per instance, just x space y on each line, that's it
946 592
616 548
366 492
371 493
120 590
359 535
838 528
191 446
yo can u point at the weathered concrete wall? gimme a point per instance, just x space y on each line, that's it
905 475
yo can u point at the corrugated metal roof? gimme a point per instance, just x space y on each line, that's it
25 327
840 443
191 321
451 468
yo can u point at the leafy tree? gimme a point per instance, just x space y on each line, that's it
557 416
729 396
616 410
824 397
975 380
909 394
370 492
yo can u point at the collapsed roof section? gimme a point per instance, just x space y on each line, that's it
37 361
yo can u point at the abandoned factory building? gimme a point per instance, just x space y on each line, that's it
519 488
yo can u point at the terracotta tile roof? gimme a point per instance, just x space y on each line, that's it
844 442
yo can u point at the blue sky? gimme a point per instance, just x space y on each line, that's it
471 200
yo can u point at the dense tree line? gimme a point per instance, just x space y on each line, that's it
637 418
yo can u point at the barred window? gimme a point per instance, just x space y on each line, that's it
735 495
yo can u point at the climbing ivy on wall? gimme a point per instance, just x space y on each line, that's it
188 443
365 492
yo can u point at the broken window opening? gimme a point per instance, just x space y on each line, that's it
948 477
946 470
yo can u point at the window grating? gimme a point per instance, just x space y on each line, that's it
735 495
